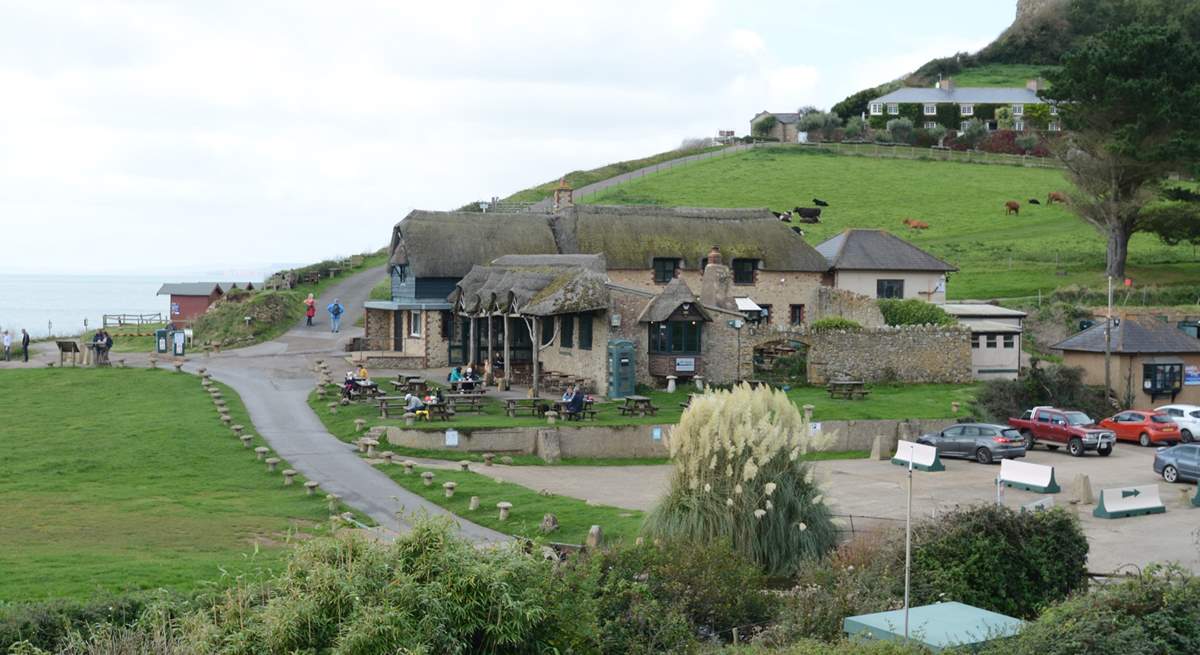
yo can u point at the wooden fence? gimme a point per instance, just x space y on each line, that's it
121 320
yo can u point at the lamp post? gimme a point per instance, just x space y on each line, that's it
737 324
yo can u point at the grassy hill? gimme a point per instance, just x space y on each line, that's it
999 256
1003 75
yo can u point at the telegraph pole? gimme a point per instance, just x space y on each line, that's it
1108 344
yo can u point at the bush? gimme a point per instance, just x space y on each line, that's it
738 479
973 134
901 130
990 556
1056 385
825 124
856 128
1156 613
834 323
270 312
46 624
913 312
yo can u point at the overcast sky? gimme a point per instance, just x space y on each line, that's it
203 135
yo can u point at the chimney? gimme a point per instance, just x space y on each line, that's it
946 84
716 284
563 195
1034 84
714 255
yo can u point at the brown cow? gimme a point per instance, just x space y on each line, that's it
915 224
1012 207
1056 196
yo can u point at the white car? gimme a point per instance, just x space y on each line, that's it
1187 417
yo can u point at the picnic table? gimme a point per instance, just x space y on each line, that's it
465 402
468 386
388 402
361 389
439 410
535 406
639 405
587 412
415 386
847 389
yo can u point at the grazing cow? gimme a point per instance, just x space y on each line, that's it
1012 207
915 224
798 230
820 203
1056 196
786 217
808 214
1034 201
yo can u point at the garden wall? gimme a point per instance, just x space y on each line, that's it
918 354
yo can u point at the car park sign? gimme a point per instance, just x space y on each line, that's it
1030 477
1129 501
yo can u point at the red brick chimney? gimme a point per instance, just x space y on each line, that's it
714 255
1034 84
564 196
946 84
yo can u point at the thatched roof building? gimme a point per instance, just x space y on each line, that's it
535 285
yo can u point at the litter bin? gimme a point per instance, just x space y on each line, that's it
160 341
178 338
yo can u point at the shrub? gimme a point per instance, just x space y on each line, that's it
901 129
856 128
936 134
973 134
839 647
826 124
834 323
738 479
913 312
990 556
1156 613
45 624
1004 118
763 127
1055 385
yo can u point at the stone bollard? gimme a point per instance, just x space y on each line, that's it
320 393
551 416
370 444
427 478
954 407
359 424
272 462
505 507
238 429
202 370
1081 490
218 401
178 366
487 459
333 408
465 466
333 500
595 537
699 382
408 466
153 361
246 439
409 418
120 363
344 402
671 383
1185 498
310 487
808 411
474 504
387 456
449 488
639 541
289 476
226 419
549 523
261 452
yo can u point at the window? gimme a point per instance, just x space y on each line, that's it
1162 378
1019 125
876 108
675 338
889 288
930 109
547 330
1054 110
1054 126
796 314
566 331
1009 341
975 341
765 315
743 271
893 108
991 341
929 125
585 331
966 110
962 127
414 323
1018 110
664 269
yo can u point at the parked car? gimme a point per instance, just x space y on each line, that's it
1054 428
982 442
1179 462
1187 417
1143 427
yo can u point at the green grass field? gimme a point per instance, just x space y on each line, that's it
578 179
1000 256
125 479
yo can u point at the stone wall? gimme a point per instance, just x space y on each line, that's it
848 304
378 323
437 349
778 289
913 354
575 361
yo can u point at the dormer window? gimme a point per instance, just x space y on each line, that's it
966 110
664 269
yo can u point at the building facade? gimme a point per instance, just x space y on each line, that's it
951 106
1152 363
189 299
878 264
995 338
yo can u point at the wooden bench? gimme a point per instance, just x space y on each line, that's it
465 402
535 406
384 404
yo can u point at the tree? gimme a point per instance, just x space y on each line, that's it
901 129
937 133
824 123
1027 142
807 109
1004 118
856 128
973 133
1127 95
762 128
1037 116
1174 223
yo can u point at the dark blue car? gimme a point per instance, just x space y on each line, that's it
1178 463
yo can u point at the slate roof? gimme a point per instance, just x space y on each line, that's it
782 118
877 250
1132 336
966 94
189 289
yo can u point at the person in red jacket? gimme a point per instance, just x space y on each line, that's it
310 310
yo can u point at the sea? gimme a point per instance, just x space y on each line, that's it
66 305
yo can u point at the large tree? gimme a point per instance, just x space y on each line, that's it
1129 95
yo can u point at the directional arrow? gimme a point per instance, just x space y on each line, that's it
1126 494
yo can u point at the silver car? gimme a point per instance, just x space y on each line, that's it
983 442
1179 462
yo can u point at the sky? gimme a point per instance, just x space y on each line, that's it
230 135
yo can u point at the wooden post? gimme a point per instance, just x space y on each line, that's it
508 364
472 344
537 347
491 355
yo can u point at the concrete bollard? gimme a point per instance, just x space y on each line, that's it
226 418
333 408
153 361
361 445
289 476
808 412
178 366
449 488
595 537
487 459
551 416
1185 498
409 418
464 465
505 508
427 478
261 452
359 424
699 382
120 363
474 504
333 500
310 487
202 370
408 466
370 443
247 439
1081 490
671 383
877 451
272 462
549 523
237 429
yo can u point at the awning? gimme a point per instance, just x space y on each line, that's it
747 305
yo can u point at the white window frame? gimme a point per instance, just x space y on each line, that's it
876 108
414 322
929 125
1018 110
1054 126
1018 125
933 106
1054 110
966 110
893 108
962 127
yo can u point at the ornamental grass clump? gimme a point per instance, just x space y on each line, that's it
740 477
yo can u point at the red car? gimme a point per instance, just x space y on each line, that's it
1145 428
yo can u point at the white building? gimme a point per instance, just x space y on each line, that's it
995 338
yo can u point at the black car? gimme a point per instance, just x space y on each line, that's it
983 442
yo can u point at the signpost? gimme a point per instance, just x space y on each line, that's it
925 458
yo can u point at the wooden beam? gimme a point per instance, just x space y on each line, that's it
537 342
491 361
508 365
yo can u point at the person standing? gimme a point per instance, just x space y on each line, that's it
310 310
7 346
336 309
25 344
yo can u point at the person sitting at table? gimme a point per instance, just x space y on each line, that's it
416 406
575 405
361 373
569 394
348 386
468 380
498 363
455 374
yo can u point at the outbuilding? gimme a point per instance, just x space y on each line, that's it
1152 362
190 299
995 338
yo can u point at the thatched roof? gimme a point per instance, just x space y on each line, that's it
529 285
675 294
448 244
